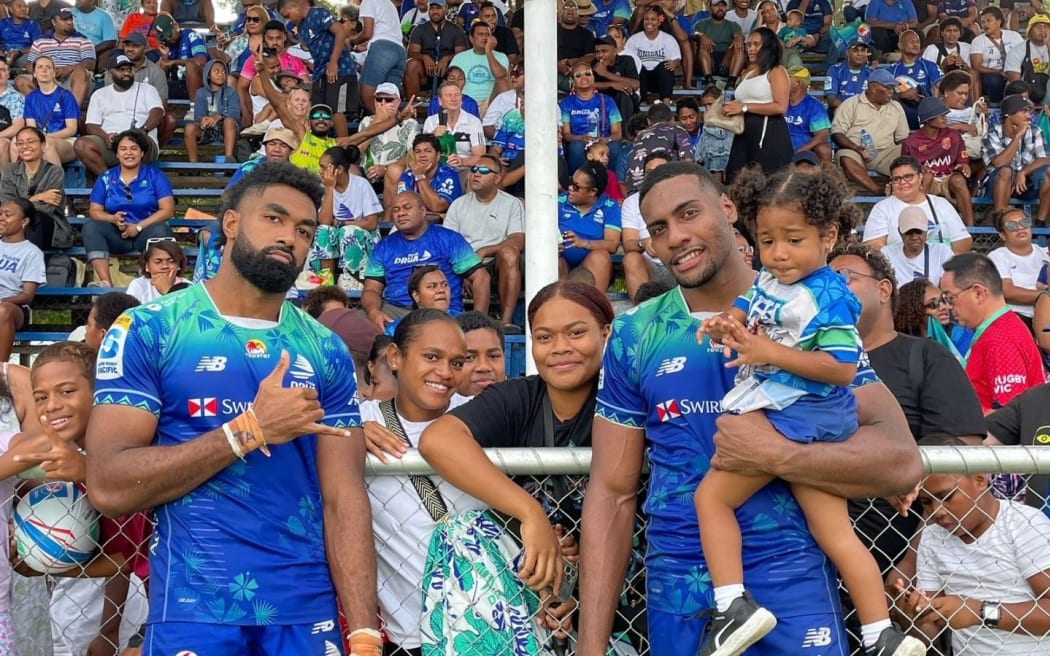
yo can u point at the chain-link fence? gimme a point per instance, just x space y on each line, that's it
972 550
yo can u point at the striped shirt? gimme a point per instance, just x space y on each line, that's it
70 51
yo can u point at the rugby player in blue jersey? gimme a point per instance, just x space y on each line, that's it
234 415
660 397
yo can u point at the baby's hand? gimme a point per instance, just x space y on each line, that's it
717 328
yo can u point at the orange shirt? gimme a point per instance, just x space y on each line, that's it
140 23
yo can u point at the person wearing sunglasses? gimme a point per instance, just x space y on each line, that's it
493 223
1003 360
248 36
130 204
587 116
944 226
922 311
589 222
913 257
1019 261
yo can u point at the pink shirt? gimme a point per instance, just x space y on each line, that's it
288 63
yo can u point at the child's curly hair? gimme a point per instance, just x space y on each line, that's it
910 316
823 198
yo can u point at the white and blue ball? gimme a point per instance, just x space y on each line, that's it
56 528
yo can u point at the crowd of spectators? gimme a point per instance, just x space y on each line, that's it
412 116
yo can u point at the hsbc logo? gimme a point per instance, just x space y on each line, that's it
203 407
668 410
671 366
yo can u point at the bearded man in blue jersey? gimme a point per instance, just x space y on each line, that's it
661 392
234 415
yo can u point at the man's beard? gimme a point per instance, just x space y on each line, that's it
123 84
262 271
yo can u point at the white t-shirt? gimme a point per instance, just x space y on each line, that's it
142 289
993 56
747 23
655 52
486 224
498 108
1022 270
467 129
631 218
946 228
387 25
355 202
995 567
933 54
1015 55
20 262
402 529
117 110
908 269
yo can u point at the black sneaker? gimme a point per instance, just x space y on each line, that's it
892 642
741 626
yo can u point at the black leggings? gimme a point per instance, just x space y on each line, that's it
659 80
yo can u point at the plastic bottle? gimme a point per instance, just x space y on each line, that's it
447 141
867 142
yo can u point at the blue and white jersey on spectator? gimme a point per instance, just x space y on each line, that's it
593 117
18 36
190 45
246 547
395 257
657 377
315 33
844 82
50 111
446 182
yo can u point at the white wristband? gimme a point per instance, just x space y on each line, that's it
237 451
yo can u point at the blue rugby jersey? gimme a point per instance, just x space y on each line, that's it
246 547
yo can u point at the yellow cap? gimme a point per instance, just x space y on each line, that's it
1037 19
801 74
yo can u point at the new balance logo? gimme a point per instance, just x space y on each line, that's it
819 637
668 410
212 363
206 407
330 649
323 627
671 366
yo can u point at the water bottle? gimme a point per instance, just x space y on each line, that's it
729 94
867 142
447 141
593 129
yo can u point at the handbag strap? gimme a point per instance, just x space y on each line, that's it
425 488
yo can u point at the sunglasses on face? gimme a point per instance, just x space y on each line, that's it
157 240
575 186
253 19
935 303
382 99
320 116
1020 224
483 170
583 74
516 73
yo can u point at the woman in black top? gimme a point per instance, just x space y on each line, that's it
569 323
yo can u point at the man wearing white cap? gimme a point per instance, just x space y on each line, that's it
390 146
387 58
912 257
